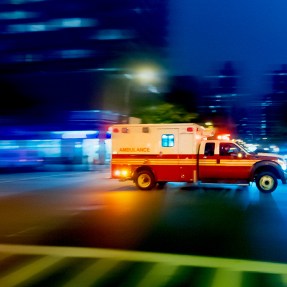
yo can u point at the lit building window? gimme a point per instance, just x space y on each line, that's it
36 27
71 23
113 34
23 1
71 54
17 15
24 28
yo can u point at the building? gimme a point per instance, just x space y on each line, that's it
60 51
83 137
219 100
58 56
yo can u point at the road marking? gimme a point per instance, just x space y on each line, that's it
93 273
165 258
39 266
152 278
41 263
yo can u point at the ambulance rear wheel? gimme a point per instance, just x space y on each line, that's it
145 180
266 182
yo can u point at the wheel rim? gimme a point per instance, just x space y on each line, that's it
144 180
266 182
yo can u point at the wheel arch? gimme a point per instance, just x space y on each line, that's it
141 168
266 166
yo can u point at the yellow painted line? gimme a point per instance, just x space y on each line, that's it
172 259
284 279
93 273
224 277
159 275
28 272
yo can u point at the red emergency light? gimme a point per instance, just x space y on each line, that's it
115 130
189 129
223 137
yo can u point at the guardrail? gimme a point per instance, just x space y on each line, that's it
27 265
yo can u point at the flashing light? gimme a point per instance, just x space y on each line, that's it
189 129
115 130
225 137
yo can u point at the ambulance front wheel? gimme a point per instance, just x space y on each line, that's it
266 182
145 180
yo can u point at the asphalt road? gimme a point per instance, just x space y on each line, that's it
88 209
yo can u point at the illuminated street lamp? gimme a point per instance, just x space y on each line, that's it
143 76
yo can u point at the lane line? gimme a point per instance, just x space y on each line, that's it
172 259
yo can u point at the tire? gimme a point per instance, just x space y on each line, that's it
145 180
266 182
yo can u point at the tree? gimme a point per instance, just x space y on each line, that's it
166 113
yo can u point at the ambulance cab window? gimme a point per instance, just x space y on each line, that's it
227 149
167 140
209 149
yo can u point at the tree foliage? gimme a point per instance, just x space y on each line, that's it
165 113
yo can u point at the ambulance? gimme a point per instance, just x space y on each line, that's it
154 154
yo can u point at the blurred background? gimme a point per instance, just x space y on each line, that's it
69 69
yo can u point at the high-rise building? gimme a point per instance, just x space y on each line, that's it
219 98
276 104
57 51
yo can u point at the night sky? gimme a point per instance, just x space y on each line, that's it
253 34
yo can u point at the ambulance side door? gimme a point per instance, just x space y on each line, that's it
225 162
166 167
208 161
232 162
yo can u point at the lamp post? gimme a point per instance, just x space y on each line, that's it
142 76
127 94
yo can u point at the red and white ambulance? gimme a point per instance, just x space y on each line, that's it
151 154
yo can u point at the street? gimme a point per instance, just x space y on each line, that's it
88 209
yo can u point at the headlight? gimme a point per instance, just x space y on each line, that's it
282 164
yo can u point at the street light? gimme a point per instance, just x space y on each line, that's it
143 76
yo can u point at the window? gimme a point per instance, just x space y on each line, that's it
209 149
167 140
227 149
